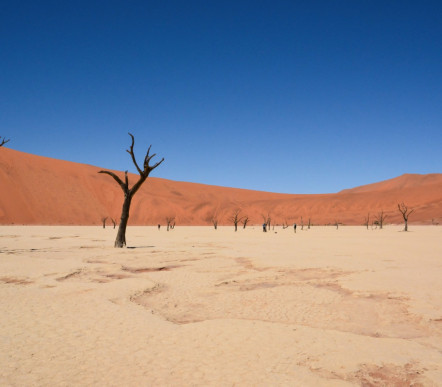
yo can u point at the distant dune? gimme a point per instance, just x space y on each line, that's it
41 190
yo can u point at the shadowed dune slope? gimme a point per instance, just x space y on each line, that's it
40 190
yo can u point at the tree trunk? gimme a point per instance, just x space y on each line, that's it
120 241
406 225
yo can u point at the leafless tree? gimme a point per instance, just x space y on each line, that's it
170 220
285 224
236 218
245 220
129 193
336 224
367 220
406 212
214 221
380 219
3 141
113 222
267 220
309 223
103 219
302 224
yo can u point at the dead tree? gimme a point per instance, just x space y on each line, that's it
285 224
113 222
236 218
170 220
309 223
245 221
267 220
3 141
129 193
403 209
302 224
367 220
337 224
380 219
104 221
215 222
214 218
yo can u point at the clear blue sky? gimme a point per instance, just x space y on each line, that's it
281 96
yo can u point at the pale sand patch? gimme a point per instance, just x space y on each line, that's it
195 306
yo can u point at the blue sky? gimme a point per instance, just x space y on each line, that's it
281 96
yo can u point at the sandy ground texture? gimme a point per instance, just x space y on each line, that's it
197 307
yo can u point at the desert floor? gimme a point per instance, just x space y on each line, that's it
195 306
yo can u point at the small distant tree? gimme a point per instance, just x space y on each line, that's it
309 223
236 218
406 212
285 224
215 222
302 224
245 220
267 220
380 219
3 140
214 219
103 219
170 221
367 220
336 224
113 222
129 193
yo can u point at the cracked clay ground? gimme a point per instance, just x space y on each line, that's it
198 307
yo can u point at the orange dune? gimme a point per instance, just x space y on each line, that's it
41 190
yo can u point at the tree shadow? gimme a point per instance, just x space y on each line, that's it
139 247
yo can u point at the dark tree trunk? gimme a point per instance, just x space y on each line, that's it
120 240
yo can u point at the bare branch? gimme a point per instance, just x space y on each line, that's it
131 152
123 186
3 141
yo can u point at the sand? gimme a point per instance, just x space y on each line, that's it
40 190
198 307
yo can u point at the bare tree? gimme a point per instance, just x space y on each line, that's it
129 193
170 220
285 224
103 219
113 222
215 222
3 141
309 223
245 221
367 220
214 219
403 209
236 218
380 219
302 224
267 220
336 224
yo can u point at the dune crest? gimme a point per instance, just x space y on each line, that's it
41 190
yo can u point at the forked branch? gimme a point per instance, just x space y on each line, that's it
3 141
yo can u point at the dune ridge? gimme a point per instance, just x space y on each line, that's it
40 190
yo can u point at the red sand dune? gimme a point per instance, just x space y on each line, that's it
40 190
